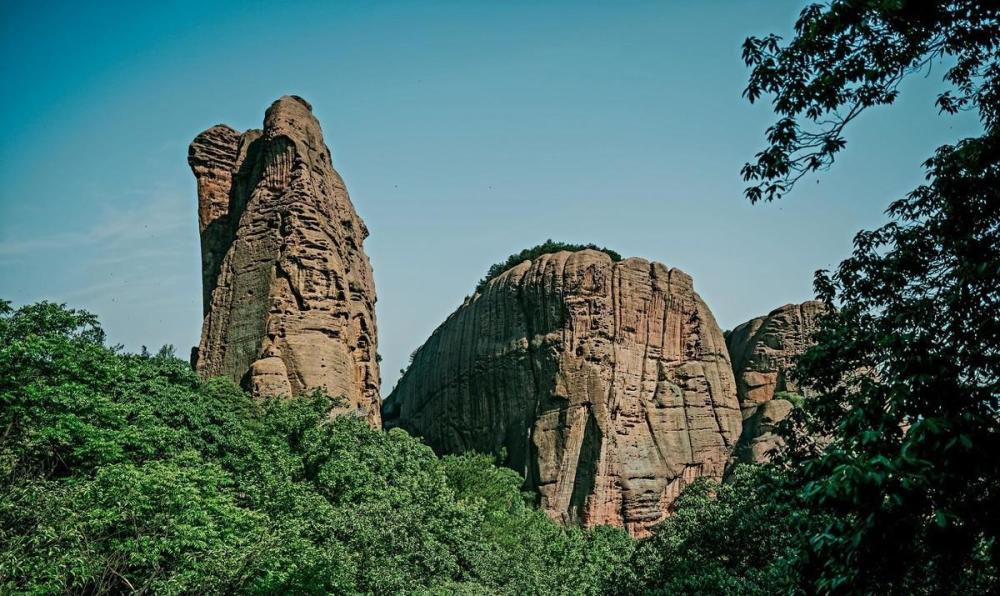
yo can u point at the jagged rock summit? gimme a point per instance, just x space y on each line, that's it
762 350
607 385
289 300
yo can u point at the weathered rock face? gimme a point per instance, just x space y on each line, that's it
607 385
762 351
288 293
759 436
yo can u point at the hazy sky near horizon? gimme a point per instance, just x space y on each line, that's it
465 131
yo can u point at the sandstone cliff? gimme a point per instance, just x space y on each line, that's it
289 299
762 351
607 385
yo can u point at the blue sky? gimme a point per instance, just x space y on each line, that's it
465 131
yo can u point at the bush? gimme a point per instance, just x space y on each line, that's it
793 398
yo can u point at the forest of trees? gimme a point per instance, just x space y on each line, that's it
126 472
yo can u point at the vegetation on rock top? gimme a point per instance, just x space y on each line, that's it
548 247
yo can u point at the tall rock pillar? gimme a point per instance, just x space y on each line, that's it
289 298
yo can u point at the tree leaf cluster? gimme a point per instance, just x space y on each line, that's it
851 55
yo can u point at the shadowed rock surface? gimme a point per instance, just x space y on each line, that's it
762 350
607 385
289 299
759 425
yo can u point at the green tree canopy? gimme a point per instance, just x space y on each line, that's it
898 450
125 473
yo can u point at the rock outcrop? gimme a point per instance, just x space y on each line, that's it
760 436
289 299
607 385
762 351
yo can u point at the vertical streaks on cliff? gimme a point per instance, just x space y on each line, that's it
611 372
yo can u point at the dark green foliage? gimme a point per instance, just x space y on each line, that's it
528 254
740 537
908 372
850 55
126 473
898 450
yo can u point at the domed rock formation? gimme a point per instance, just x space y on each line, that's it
607 385
762 351
289 299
